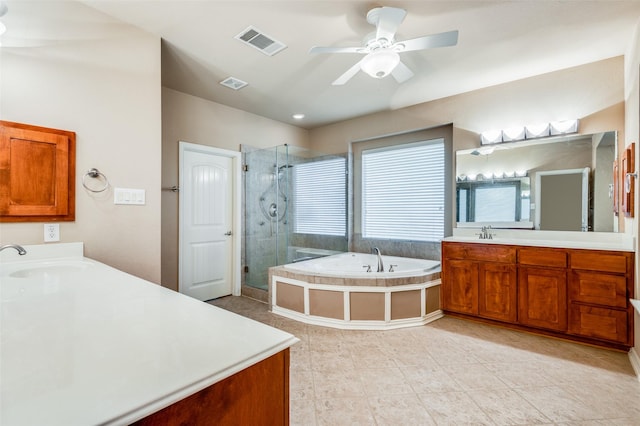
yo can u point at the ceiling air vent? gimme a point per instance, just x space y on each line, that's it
233 83
264 43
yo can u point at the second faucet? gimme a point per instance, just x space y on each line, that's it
376 251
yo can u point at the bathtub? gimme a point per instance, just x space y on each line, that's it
364 265
345 291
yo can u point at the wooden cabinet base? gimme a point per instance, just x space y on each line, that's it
257 395
548 333
575 294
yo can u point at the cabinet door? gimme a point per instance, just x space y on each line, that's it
460 286
497 297
37 166
598 289
542 298
600 323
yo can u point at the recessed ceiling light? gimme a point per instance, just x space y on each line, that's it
298 116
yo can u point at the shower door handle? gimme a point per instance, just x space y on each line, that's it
228 233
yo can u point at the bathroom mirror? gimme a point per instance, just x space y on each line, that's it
502 185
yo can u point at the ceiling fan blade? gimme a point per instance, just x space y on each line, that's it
449 38
347 75
319 49
389 19
401 73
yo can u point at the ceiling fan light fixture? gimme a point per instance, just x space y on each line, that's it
380 63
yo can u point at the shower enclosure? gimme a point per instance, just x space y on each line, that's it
281 196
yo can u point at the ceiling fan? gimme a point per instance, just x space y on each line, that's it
382 50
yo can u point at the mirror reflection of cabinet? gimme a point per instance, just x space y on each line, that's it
37 170
628 174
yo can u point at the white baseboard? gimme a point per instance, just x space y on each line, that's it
635 362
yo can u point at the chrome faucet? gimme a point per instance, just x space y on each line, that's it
21 251
485 233
376 251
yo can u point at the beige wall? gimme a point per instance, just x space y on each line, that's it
108 92
191 119
632 132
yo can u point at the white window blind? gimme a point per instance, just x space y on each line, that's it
496 204
403 192
320 197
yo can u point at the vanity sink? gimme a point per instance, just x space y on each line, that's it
45 270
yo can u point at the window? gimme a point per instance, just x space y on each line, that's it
403 191
492 201
321 199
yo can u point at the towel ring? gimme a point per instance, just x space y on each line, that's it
95 173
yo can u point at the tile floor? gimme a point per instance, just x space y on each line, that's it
449 372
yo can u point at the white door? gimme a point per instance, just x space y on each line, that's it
206 218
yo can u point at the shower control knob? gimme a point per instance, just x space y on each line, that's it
227 233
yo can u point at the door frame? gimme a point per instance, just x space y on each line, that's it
236 220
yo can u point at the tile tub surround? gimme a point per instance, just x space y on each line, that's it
84 343
374 303
449 372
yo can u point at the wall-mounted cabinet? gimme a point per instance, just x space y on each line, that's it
572 293
37 173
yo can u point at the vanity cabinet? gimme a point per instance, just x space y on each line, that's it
576 294
598 295
482 281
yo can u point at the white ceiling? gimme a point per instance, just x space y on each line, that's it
499 41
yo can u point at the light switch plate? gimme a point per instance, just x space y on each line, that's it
51 232
129 196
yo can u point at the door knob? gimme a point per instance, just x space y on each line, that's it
227 233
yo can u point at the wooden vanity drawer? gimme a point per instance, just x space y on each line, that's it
599 323
599 289
599 261
536 256
481 252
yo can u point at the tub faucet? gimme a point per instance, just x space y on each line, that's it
376 251
21 251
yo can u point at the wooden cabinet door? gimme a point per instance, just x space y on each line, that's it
497 296
460 286
599 289
599 323
37 171
542 298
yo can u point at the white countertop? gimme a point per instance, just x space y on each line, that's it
83 343
561 239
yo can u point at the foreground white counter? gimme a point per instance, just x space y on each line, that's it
83 343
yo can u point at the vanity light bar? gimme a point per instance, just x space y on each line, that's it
532 131
499 175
